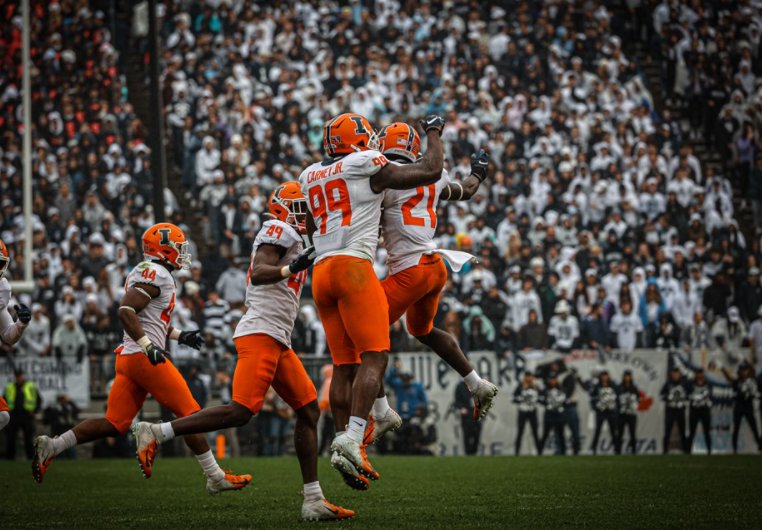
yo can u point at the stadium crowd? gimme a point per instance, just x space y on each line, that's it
597 227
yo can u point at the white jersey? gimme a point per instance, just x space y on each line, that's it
346 210
10 331
155 317
273 308
626 328
564 331
410 222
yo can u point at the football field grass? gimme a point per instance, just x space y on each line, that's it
490 492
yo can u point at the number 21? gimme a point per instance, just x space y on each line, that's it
407 215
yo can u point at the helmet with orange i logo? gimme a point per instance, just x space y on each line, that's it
348 133
400 139
287 203
166 243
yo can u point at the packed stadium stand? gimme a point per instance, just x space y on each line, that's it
626 174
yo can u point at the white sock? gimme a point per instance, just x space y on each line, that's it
356 428
211 468
66 441
380 406
312 492
163 432
5 418
472 380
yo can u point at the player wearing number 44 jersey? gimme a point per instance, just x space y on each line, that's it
277 273
143 366
417 273
344 195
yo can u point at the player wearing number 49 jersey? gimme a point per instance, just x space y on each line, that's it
344 195
143 366
417 273
277 273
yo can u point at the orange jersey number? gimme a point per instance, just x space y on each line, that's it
412 202
149 274
335 198
297 281
166 315
275 230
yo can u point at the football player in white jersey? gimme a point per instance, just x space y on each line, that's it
416 272
10 331
277 273
142 365
344 196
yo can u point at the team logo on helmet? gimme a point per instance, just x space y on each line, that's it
348 133
166 243
287 203
400 139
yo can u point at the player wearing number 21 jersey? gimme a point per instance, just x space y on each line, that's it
417 272
142 364
277 272
344 195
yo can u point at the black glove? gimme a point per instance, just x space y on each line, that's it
192 339
156 355
433 121
480 165
303 261
23 313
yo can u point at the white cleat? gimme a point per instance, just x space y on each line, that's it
230 482
44 452
377 427
352 478
355 453
322 510
484 398
147 446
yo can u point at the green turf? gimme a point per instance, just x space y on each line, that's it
498 492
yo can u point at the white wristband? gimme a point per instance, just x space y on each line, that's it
144 342
285 271
175 335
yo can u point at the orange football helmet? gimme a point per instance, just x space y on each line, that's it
288 204
166 243
400 139
5 259
348 133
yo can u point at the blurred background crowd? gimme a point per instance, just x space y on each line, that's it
623 208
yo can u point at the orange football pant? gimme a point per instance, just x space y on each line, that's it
135 379
352 306
264 362
415 291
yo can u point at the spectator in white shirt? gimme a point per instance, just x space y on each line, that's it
626 326
563 330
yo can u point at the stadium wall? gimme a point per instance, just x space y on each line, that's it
499 429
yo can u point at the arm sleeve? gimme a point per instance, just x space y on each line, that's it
10 331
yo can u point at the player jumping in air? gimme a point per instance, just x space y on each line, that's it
277 274
345 194
143 366
10 331
417 273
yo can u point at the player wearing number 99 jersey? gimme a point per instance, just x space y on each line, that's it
344 196
142 364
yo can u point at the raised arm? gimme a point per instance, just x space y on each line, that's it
410 176
463 191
